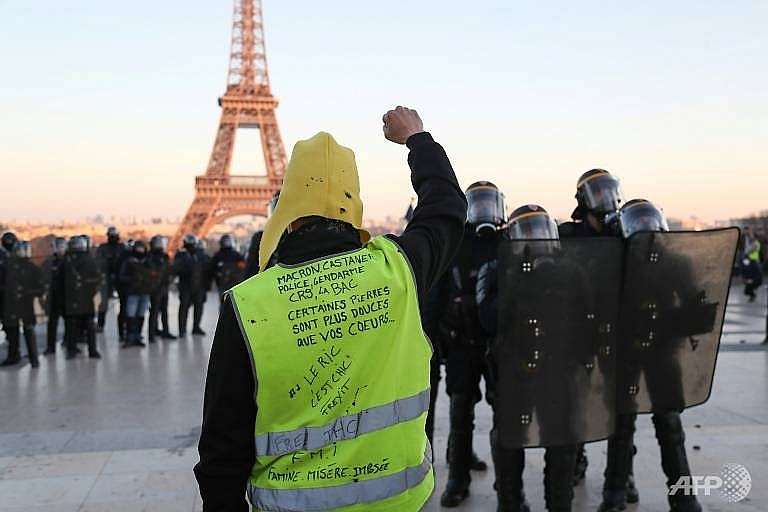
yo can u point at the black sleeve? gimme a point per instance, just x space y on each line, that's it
226 445
434 233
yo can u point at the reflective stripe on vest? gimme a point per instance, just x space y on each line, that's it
345 427
327 498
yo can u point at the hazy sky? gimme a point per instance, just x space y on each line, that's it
110 107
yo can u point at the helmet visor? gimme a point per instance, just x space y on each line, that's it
485 205
532 226
601 193
641 217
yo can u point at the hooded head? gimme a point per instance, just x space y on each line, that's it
321 179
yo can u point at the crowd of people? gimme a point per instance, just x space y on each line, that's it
333 352
136 272
322 356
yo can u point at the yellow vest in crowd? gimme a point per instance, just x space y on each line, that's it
341 366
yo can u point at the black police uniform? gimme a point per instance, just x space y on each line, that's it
227 267
55 302
190 264
22 284
159 261
466 344
111 256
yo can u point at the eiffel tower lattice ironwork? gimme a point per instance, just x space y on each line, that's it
247 103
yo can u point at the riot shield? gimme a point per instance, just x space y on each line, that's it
672 310
554 357
82 280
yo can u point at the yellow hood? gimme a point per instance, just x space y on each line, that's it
321 179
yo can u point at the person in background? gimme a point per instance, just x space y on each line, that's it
56 292
159 262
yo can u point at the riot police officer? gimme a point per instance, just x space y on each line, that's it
7 242
83 279
23 283
539 361
111 254
227 265
160 262
56 285
189 264
657 363
599 196
467 341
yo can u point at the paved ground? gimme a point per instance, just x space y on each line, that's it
120 434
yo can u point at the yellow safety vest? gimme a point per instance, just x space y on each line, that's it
754 254
341 366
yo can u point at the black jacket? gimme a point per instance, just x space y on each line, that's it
227 442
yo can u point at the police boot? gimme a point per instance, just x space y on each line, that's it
197 316
13 357
50 339
633 496
580 468
183 312
558 468
70 342
477 464
152 331
31 339
508 465
674 461
91 338
618 463
460 450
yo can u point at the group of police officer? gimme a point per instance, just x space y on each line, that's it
140 274
560 322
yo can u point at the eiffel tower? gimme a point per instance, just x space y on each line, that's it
247 103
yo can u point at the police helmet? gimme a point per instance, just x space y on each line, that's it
190 242
599 192
531 222
226 242
139 247
641 215
78 244
8 240
485 206
113 235
59 245
22 249
87 239
158 243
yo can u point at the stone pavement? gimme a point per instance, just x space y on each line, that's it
120 434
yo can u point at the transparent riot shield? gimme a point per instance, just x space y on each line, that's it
672 310
554 356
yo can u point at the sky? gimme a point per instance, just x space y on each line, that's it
110 107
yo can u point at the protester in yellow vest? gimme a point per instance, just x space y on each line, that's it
318 381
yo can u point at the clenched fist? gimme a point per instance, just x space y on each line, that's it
401 123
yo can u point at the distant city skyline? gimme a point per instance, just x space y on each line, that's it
120 118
